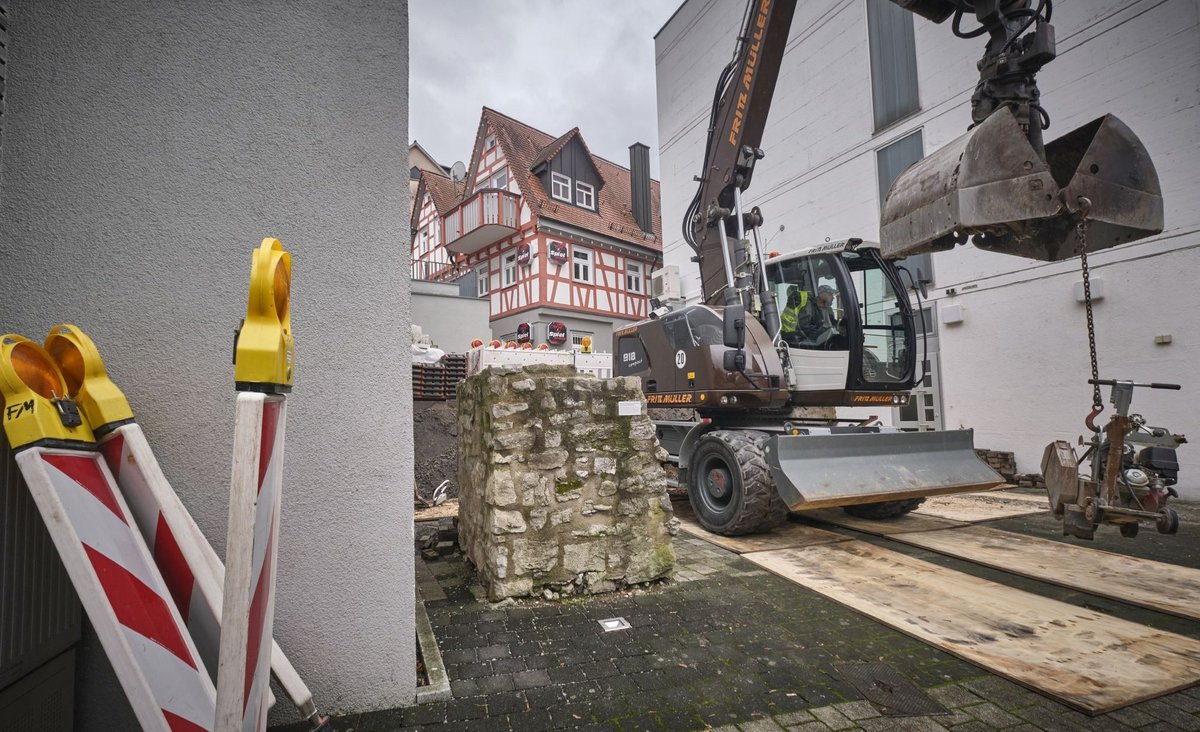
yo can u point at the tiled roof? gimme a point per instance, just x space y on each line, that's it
446 194
525 146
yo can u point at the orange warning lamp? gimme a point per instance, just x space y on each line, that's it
494 343
477 343
37 409
87 382
510 344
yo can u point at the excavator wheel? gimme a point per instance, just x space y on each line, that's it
883 509
729 484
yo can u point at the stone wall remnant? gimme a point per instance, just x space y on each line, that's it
559 493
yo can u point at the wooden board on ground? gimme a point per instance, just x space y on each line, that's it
788 535
879 527
986 506
432 513
1087 660
1155 585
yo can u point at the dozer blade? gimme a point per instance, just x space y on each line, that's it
818 471
991 184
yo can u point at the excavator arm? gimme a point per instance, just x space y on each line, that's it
997 185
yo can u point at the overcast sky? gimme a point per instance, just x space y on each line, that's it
552 64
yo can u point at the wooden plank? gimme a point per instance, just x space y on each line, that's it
1156 585
432 513
789 535
972 507
1087 660
879 527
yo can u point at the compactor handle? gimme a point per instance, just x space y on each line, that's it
1151 385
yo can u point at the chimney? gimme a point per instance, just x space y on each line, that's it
639 186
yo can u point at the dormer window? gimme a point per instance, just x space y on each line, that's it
560 187
585 195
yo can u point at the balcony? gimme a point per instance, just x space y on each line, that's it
482 220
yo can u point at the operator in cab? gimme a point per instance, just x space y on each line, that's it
811 322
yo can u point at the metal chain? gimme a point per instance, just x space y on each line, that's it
1081 231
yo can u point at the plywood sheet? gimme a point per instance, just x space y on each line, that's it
1087 660
432 513
1156 585
879 527
788 535
986 506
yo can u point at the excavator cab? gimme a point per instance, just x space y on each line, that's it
845 322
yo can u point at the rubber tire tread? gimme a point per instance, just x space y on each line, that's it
761 508
883 509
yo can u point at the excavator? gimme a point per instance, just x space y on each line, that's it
831 325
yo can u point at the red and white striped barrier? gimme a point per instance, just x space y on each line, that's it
126 598
250 561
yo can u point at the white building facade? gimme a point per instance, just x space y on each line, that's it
864 90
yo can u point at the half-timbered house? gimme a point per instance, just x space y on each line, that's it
560 241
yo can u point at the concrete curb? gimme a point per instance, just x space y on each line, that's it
439 683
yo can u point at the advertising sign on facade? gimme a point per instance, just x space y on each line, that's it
523 333
556 333
523 255
558 252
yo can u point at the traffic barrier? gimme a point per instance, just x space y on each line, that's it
125 596
263 361
189 565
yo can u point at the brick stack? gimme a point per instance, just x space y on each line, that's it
1029 480
1004 463
438 382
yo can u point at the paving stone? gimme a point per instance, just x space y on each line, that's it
531 679
901 724
857 710
954 695
760 725
1167 713
487 653
832 718
990 714
1132 717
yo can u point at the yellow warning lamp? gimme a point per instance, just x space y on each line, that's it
263 349
37 409
585 344
102 403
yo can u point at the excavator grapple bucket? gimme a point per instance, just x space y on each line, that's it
818 471
990 184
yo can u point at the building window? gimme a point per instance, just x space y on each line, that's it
560 187
500 180
585 195
577 340
890 162
510 269
489 142
633 277
423 246
482 276
893 62
581 265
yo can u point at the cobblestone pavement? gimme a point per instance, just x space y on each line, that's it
731 647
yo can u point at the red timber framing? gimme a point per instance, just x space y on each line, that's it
612 243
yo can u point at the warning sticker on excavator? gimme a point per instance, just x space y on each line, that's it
680 359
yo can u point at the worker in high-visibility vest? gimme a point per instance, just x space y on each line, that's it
809 320
789 319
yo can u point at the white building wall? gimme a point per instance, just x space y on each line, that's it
1016 368
147 149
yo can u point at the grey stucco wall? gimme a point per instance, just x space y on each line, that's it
450 319
147 148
